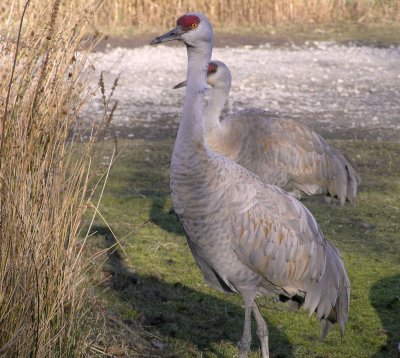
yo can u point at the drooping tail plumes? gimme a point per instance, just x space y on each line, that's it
344 188
330 297
353 177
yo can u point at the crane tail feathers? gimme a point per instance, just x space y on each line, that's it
353 178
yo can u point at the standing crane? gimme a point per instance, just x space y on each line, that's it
280 151
246 236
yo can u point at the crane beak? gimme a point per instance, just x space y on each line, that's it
174 34
179 85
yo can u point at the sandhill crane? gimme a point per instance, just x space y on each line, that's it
246 236
281 151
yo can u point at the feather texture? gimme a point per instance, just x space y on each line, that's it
247 236
252 234
281 151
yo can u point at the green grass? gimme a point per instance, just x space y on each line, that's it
159 288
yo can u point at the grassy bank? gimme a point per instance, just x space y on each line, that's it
156 288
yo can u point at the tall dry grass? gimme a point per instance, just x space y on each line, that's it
43 179
150 14
156 14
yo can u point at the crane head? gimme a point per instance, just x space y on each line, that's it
218 75
191 28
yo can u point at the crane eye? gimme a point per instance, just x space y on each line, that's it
194 25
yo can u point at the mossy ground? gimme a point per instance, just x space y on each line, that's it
158 290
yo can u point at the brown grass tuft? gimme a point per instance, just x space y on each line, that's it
44 177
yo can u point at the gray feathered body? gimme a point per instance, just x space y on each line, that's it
285 153
245 234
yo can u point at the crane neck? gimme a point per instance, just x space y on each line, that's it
190 133
215 105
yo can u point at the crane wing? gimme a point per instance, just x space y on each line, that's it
278 238
308 161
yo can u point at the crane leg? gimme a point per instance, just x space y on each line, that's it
245 342
262 330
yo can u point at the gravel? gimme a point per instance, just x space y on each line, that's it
341 91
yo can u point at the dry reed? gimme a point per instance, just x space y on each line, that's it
43 180
157 14
149 14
